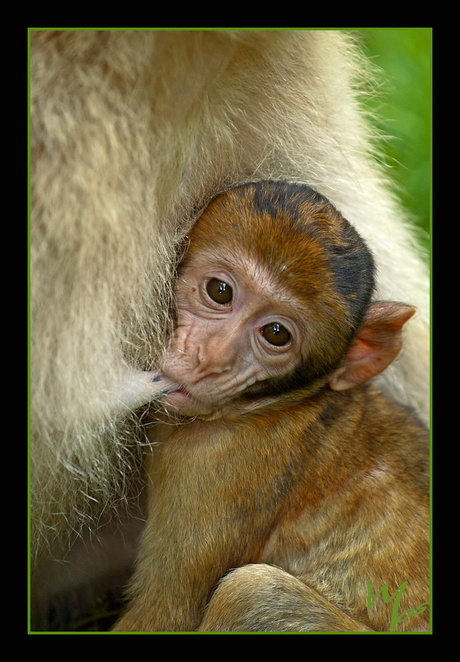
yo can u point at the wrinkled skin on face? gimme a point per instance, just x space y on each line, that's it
271 289
234 327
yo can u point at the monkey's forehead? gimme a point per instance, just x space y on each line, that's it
270 251
303 241
290 240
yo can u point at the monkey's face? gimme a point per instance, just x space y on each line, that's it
234 327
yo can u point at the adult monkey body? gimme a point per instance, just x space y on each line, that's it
283 454
131 133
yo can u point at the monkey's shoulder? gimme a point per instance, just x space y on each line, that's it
377 414
368 430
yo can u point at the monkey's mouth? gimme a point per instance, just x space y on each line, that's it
178 396
181 389
178 399
170 386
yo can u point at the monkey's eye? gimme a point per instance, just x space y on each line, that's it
276 334
219 291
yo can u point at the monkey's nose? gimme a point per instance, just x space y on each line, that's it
213 360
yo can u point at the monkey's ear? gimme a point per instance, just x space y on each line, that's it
376 345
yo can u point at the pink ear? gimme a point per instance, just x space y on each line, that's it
376 345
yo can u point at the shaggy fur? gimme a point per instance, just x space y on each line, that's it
320 476
132 132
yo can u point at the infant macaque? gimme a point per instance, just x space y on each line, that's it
287 491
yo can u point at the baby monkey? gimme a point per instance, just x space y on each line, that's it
288 493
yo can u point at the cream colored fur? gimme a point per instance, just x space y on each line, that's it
131 134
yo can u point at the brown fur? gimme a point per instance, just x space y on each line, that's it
131 133
322 477
333 490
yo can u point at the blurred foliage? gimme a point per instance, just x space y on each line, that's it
403 111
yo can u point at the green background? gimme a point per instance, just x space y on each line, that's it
403 111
